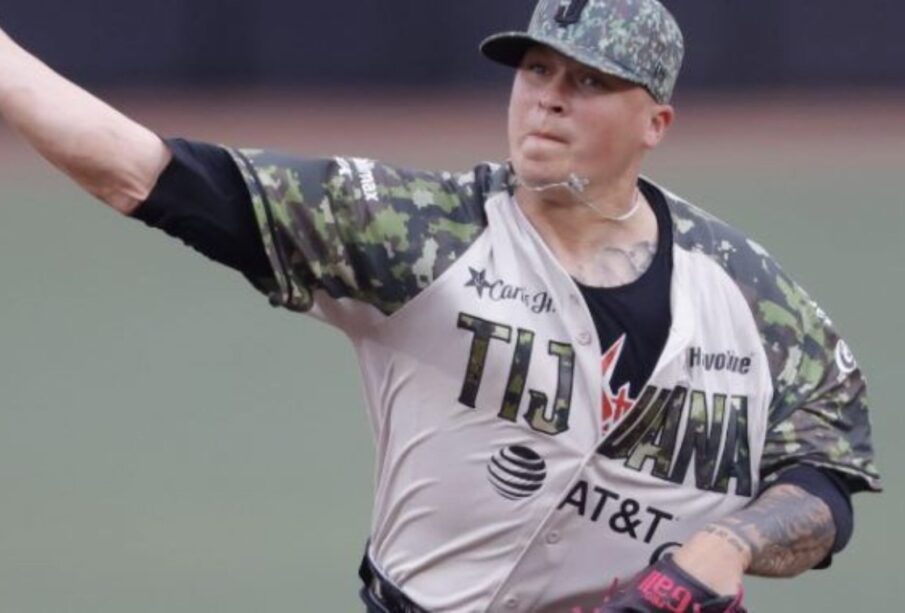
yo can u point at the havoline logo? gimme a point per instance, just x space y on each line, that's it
500 291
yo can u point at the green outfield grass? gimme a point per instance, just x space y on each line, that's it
168 442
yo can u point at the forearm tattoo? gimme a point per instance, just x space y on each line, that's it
615 266
787 531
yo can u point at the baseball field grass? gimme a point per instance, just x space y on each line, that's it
168 442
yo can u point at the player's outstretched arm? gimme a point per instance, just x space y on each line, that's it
109 155
783 533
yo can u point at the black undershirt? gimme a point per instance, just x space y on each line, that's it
640 311
201 199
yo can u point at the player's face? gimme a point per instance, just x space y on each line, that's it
565 117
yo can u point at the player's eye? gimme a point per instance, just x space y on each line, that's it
537 67
592 83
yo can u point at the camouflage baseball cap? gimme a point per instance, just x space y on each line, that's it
637 40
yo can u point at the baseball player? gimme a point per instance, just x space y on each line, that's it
586 393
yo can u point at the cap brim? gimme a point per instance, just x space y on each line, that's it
509 48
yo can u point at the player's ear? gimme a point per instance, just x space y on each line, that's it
660 118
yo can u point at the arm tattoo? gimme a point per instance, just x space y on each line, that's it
614 266
787 531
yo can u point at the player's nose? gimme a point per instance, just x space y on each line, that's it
551 105
553 98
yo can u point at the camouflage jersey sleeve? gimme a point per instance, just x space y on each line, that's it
818 414
359 229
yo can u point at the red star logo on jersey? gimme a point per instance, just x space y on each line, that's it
618 403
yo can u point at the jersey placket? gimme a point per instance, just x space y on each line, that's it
549 540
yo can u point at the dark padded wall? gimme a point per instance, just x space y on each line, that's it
731 43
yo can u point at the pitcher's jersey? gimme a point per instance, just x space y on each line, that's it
506 479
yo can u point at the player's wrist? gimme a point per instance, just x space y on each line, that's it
717 558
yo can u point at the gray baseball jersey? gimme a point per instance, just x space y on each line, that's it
509 477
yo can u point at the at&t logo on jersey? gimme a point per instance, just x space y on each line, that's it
621 514
516 472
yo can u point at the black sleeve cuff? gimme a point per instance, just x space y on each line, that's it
831 489
201 199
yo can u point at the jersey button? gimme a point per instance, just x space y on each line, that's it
553 537
511 602
585 338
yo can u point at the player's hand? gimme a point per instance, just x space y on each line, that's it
665 587
716 558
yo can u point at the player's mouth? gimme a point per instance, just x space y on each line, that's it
546 135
